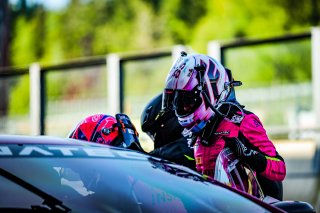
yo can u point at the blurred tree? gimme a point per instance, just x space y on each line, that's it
175 21
94 27
4 53
26 46
98 27
301 13
236 19
315 16
4 33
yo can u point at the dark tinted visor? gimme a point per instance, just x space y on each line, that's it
167 99
186 102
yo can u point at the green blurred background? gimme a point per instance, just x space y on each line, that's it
57 31
53 32
276 77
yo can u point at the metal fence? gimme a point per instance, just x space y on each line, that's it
113 83
288 109
56 97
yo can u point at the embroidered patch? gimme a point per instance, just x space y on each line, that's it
236 118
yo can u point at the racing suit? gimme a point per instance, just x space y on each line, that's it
268 164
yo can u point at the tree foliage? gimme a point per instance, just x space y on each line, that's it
99 27
96 27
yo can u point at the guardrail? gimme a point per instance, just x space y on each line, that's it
115 67
218 49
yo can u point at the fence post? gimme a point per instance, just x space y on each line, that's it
315 48
113 82
35 98
214 50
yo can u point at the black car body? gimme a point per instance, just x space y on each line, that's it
44 174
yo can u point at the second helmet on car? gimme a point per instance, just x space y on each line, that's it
106 129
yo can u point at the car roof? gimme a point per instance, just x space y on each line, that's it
127 156
43 139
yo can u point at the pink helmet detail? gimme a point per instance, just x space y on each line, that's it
97 128
191 78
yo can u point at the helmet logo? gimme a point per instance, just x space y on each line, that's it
177 72
190 72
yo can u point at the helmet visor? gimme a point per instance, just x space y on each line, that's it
186 102
167 100
128 132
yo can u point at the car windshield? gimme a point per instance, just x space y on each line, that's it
107 180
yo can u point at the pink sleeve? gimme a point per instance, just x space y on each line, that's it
275 170
254 132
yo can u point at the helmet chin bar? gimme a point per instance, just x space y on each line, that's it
220 114
228 86
210 105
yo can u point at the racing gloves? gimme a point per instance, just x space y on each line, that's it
256 160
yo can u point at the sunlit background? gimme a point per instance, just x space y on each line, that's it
277 77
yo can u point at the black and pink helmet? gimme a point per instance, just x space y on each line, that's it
195 82
161 126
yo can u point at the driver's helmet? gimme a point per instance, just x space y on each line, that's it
106 129
194 82
161 125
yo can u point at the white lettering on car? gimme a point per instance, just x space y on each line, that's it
29 149
66 151
57 151
98 152
4 150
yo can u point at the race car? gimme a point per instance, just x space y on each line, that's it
51 174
